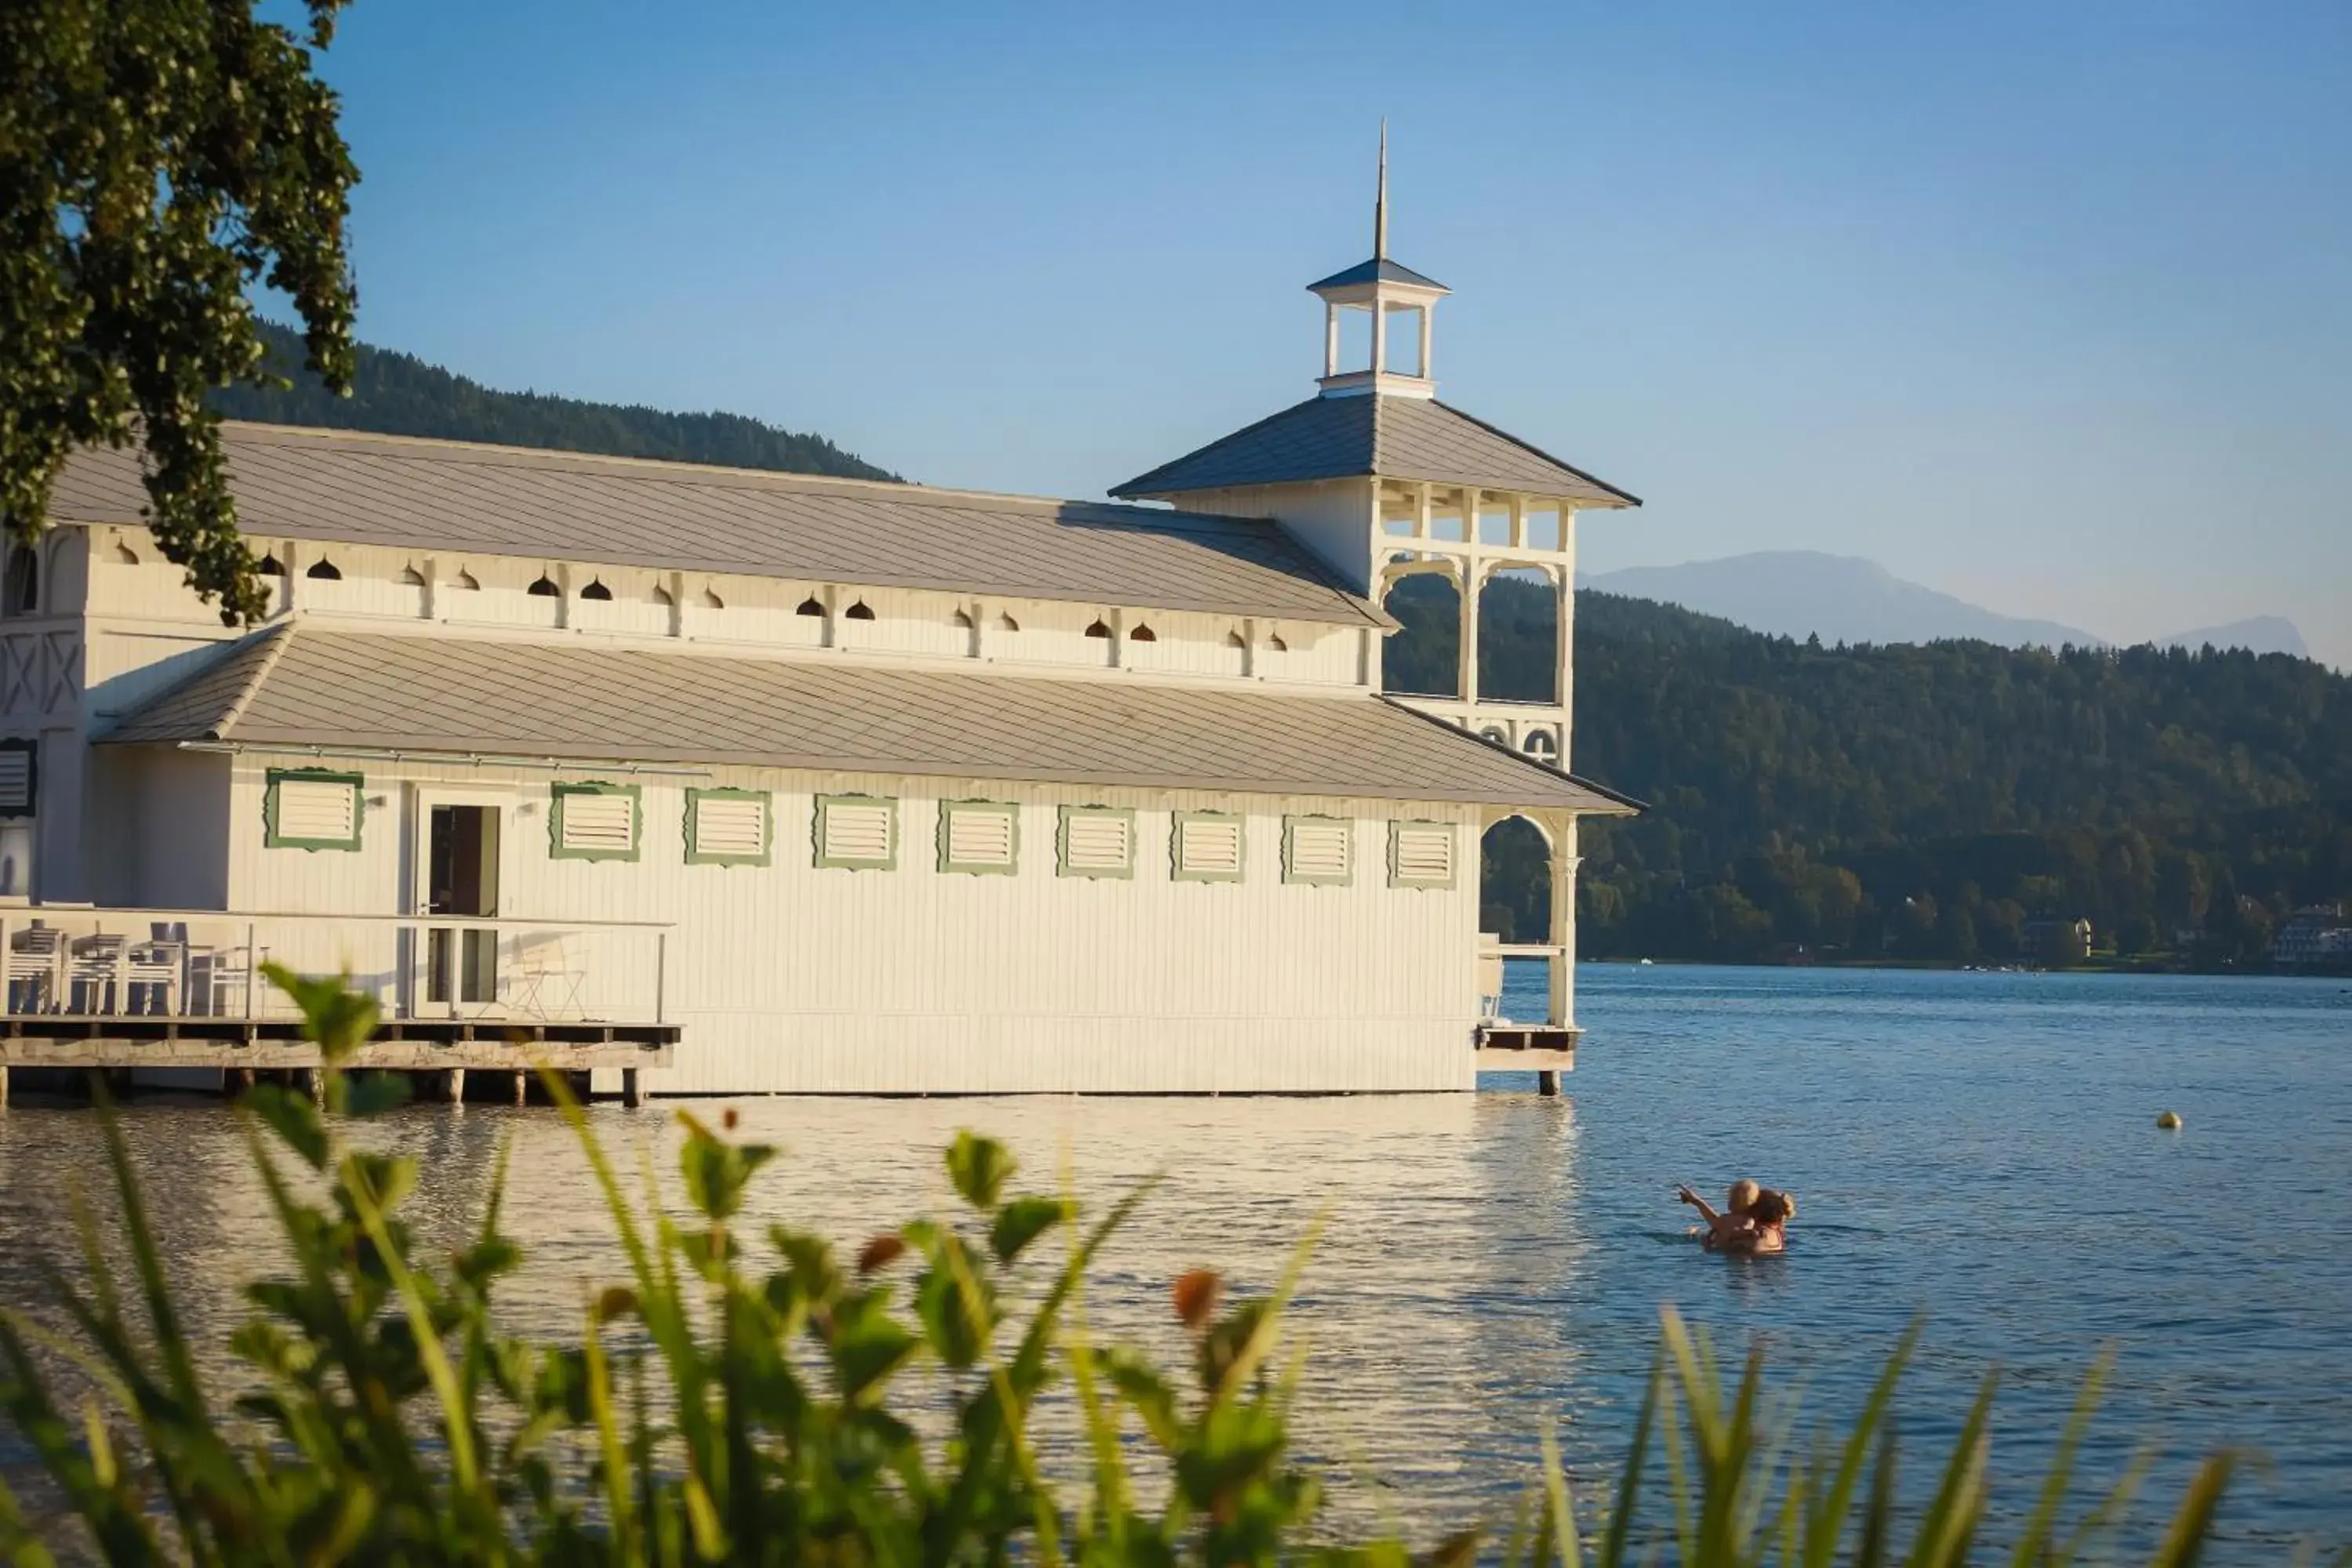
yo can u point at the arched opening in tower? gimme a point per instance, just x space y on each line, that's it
1518 636
1515 881
1423 660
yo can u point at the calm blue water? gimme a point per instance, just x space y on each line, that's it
1979 1148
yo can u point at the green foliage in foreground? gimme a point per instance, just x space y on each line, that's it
746 1398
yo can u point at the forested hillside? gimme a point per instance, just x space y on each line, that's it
400 395
1920 801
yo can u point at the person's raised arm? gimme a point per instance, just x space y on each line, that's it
1719 1226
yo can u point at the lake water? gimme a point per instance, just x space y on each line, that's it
1981 1148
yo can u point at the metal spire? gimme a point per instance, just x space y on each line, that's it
1381 203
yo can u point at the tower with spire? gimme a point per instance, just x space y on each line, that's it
1400 302
1385 483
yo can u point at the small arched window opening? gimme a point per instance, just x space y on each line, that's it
963 621
270 566
411 577
1007 623
1098 630
857 612
1143 634
810 606
1538 745
597 591
124 555
711 601
467 582
24 585
545 588
324 570
1491 733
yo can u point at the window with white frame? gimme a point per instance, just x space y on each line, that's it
979 837
1421 855
1318 850
1206 846
1098 841
856 833
310 808
727 826
593 821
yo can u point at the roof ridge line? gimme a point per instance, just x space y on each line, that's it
901 489
279 637
1526 445
1131 486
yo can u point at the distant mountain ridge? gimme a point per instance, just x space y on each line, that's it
397 394
2262 634
1838 598
1847 599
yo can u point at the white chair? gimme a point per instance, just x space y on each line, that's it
36 970
155 970
217 978
547 983
94 974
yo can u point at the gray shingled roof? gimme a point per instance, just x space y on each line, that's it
294 687
1381 270
450 496
1394 437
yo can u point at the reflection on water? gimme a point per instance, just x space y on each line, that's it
1979 1147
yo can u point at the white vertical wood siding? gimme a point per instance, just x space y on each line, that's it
789 977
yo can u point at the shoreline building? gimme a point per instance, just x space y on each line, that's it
801 784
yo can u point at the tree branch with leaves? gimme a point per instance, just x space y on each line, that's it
159 159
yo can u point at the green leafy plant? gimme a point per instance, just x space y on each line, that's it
758 1398
157 162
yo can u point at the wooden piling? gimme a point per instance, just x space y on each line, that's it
453 1086
1546 1082
521 1087
632 1094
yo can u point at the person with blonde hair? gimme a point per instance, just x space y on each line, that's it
1754 1219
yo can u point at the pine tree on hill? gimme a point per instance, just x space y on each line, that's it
395 394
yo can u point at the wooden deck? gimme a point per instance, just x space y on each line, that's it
403 1044
1528 1047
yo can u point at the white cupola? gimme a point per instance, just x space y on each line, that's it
1399 301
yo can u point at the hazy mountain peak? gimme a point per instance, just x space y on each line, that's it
2258 634
1838 598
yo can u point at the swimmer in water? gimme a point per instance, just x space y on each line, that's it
1754 1222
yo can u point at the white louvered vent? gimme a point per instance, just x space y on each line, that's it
1424 853
731 825
15 779
323 811
1210 846
1104 843
605 823
980 836
857 831
1318 850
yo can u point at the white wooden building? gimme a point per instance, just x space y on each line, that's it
853 787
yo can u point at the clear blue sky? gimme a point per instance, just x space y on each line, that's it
2046 305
